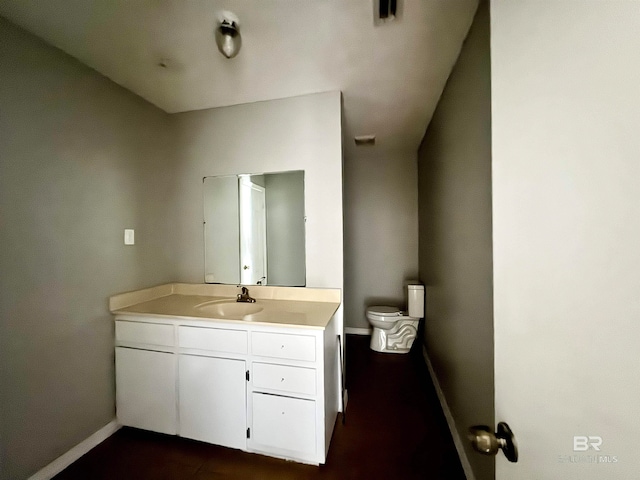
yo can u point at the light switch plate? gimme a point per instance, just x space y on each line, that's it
129 238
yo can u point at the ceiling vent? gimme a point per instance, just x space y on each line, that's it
385 11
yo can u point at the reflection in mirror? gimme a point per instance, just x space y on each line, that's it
254 229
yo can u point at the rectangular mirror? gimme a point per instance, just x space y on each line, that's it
254 232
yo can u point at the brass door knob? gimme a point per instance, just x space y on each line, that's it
486 442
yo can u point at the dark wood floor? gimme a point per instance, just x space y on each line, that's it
394 430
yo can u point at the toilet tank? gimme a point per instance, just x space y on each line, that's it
415 300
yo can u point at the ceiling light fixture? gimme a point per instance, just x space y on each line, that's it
228 37
386 11
365 140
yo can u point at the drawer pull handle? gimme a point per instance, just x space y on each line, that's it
282 379
281 347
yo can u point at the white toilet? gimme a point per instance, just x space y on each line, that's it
393 330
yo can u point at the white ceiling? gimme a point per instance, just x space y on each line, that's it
391 75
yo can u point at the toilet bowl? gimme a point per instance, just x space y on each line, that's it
394 330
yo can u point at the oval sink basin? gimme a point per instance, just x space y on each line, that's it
231 309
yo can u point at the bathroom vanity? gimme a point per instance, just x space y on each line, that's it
260 377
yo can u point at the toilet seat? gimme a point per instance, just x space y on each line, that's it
384 313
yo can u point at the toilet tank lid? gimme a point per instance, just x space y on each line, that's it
384 311
415 287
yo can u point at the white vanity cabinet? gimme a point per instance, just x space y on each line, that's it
267 389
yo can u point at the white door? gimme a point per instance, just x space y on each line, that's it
566 206
253 233
212 393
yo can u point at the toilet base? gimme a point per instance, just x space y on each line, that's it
396 340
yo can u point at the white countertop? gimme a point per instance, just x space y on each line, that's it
165 302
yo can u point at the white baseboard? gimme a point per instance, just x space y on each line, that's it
357 331
457 441
66 459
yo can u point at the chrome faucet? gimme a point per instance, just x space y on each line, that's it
244 296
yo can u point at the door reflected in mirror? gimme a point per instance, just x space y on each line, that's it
254 231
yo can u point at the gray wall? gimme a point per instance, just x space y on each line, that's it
456 243
80 160
285 228
381 230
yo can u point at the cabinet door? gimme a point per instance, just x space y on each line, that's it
213 400
146 389
284 423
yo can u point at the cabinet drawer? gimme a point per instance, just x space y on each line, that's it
215 339
284 423
292 347
286 379
148 333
